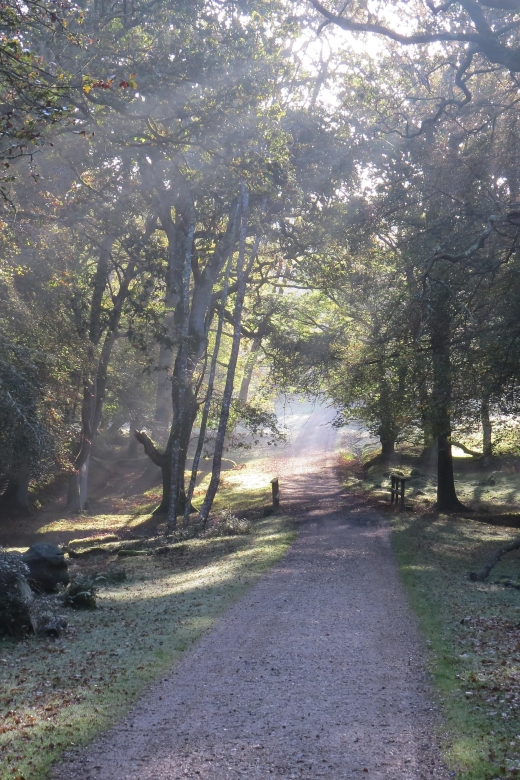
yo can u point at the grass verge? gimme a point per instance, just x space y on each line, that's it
57 694
472 629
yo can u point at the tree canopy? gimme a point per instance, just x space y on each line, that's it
207 204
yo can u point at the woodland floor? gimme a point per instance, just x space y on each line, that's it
317 672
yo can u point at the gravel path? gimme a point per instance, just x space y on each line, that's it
317 672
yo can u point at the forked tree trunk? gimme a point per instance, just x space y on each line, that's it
209 394
164 459
242 276
203 299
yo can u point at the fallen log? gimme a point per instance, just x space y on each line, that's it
481 575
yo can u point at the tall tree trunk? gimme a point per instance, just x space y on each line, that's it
133 444
203 299
487 443
440 335
209 394
248 370
163 403
429 451
94 395
387 447
164 459
180 389
388 429
175 230
16 495
74 498
242 277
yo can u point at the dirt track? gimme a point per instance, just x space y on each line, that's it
318 672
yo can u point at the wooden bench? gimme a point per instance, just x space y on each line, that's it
397 489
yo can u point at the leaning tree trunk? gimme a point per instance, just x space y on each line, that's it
440 335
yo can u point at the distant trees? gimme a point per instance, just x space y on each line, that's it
415 273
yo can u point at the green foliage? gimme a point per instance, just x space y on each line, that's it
15 596
25 441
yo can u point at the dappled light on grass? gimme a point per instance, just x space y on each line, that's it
58 694
108 523
492 490
473 633
247 484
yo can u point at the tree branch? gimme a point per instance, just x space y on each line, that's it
379 29
159 458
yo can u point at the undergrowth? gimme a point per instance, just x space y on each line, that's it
57 694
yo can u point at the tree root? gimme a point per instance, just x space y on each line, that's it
481 575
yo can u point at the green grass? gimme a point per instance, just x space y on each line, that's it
472 633
496 489
472 630
58 694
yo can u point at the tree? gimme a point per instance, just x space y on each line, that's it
471 33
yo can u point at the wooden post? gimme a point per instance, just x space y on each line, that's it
275 488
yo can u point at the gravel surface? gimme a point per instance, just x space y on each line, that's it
317 672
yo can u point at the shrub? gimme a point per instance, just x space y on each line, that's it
16 599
